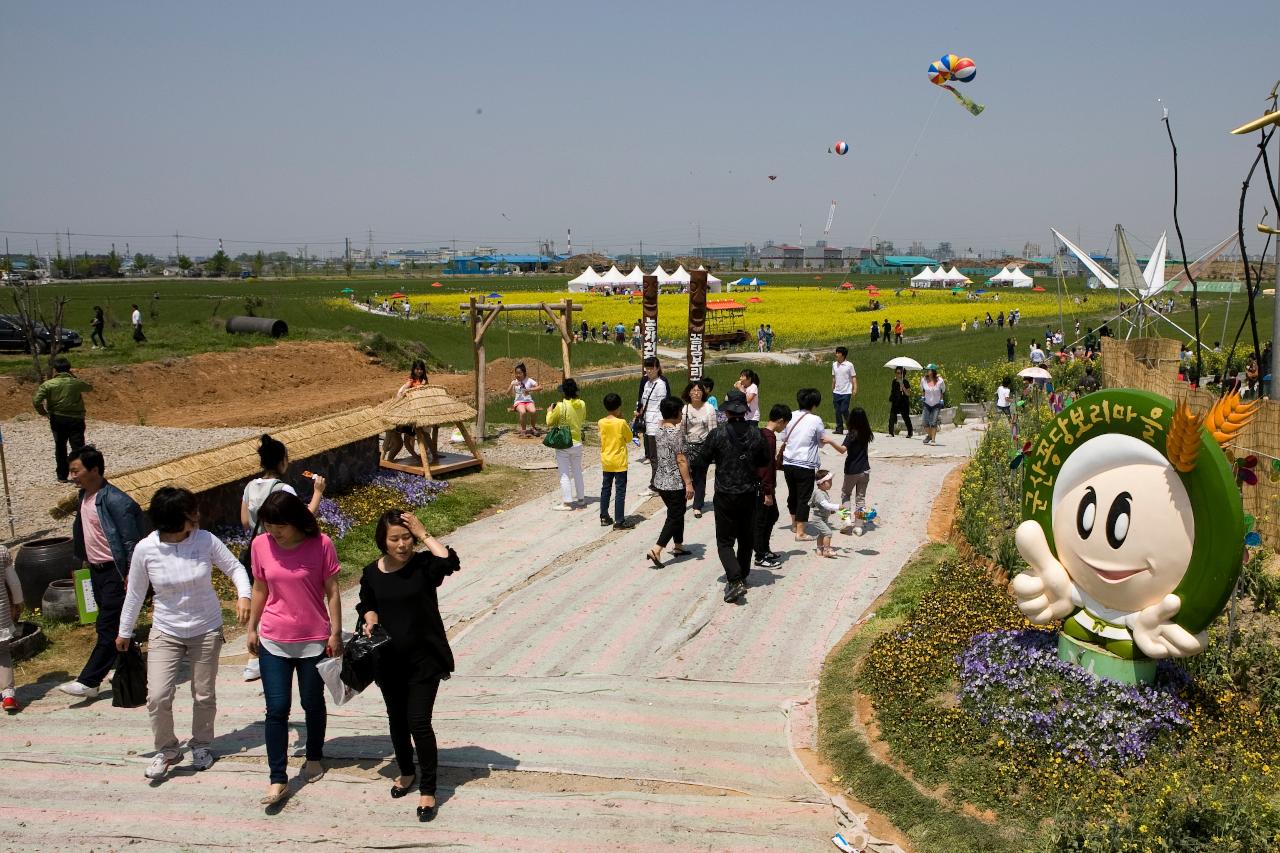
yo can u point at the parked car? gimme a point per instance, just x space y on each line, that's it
13 339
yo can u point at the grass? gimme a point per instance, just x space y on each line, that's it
930 824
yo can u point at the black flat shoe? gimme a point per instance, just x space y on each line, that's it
426 814
397 792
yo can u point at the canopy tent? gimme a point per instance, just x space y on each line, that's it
954 275
584 282
613 276
1002 277
1017 278
745 282
924 279
680 276
636 276
662 275
714 285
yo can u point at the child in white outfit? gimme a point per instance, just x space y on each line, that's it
822 505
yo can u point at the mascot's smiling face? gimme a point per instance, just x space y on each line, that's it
1123 525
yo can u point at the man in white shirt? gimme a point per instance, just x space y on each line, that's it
136 319
844 384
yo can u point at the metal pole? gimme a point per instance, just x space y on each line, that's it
1275 315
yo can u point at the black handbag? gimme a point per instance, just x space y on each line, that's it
360 657
129 684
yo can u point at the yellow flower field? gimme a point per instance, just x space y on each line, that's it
800 315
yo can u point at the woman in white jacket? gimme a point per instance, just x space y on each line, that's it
176 561
653 391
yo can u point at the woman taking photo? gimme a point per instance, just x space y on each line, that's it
176 562
671 479
295 619
802 441
698 419
570 412
932 386
398 591
273 456
749 384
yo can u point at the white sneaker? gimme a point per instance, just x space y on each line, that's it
84 691
201 758
159 766
252 671
562 507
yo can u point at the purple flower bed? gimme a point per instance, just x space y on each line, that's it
418 491
335 522
1014 682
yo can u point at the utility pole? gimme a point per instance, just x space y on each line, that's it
177 247
347 254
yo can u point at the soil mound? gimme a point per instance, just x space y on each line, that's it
262 386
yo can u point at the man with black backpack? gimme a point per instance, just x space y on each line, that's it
738 450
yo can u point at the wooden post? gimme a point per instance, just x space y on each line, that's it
471 443
477 336
423 451
565 345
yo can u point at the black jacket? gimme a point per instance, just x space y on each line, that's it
738 451
408 609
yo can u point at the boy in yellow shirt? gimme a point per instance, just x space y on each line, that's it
615 434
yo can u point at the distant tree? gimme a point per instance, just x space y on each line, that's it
114 262
217 264
259 261
140 262
184 263
348 266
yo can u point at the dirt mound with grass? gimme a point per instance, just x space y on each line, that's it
261 386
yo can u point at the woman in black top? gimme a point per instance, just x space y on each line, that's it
398 591
900 400
98 323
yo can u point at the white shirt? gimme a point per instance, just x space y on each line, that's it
523 389
753 402
843 372
137 317
181 573
1002 397
651 397
933 393
803 437
1037 356
258 491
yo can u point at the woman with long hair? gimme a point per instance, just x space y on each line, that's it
98 323
900 400
653 390
398 591
522 388
273 456
176 562
571 411
697 421
749 384
857 466
933 387
295 619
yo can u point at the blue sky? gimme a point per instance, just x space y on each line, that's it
507 122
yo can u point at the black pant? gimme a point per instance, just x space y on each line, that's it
766 518
108 591
138 337
698 474
735 532
68 437
410 700
904 409
651 453
673 527
96 338
799 490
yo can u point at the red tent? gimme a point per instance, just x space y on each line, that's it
846 286
436 284
1037 289
755 299
396 295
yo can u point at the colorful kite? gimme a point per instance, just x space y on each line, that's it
961 70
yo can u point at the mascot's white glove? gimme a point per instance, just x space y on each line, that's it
1158 636
1045 592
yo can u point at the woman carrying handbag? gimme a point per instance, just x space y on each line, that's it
570 413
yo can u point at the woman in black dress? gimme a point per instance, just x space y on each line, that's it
398 591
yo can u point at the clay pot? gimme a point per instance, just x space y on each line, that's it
59 601
29 640
43 561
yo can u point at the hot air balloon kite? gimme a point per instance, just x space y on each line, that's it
958 69
841 147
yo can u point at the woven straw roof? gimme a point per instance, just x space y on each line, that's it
425 406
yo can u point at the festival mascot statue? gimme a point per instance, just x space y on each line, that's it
1134 527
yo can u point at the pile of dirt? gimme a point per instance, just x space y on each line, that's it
263 386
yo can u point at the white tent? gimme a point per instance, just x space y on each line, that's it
613 276
663 278
680 276
584 282
1002 277
955 276
714 285
636 276
924 279
1017 278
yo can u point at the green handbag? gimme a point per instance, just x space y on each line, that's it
558 437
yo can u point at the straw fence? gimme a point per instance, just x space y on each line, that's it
1151 364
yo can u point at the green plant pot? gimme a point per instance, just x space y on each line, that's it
1102 664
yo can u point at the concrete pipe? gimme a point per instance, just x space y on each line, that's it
257 326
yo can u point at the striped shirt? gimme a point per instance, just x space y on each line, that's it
181 573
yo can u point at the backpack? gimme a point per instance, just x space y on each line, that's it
740 460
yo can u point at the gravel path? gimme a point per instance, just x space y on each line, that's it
28 447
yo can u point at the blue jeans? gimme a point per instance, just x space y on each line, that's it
842 409
614 480
277 687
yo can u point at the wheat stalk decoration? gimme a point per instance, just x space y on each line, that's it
1228 417
1184 438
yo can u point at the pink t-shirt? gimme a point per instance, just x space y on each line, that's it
295 611
96 547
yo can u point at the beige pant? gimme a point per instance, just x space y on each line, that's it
165 655
6 667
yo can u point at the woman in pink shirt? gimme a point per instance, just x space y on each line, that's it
295 619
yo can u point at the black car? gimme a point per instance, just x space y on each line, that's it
13 339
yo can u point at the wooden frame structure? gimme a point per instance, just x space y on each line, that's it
425 410
427 469
482 314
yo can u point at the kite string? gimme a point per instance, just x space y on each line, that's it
893 191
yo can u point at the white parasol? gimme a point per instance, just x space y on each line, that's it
1035 373
903 361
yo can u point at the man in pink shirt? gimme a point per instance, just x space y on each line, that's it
108 525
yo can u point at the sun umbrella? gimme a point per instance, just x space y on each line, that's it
637 293
978 292
755 299
846 286
903 361
396 295
347 290
436 284
495 295
1035 373
1037 289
